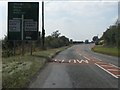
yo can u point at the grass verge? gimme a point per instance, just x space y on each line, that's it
106 50
17 71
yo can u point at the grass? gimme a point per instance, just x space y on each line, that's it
17 71
113 51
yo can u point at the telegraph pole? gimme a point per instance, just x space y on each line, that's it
22 35
43 31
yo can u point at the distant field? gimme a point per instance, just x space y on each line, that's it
106 50
17 71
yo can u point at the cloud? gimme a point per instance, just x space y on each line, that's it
79 20
3 19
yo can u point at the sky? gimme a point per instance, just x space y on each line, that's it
76 19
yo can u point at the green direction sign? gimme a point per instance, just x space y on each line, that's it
23 20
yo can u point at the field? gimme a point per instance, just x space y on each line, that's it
17 71
113 51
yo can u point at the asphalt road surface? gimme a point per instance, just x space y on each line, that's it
79 67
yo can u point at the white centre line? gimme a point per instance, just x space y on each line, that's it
98 59
86 58
100 62
106 70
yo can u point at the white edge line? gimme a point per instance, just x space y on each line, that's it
106 70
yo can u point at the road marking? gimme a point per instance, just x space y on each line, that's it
114 65
106 65
112 69
100 62
62 61
97 58
69 61
78 61
55 60
86 61
74 61
106 70
86 58
118 75
59 61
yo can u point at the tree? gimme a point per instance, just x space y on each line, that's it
64 40
6 44
87 41
95 38
111 35
56 34
71 41
55 40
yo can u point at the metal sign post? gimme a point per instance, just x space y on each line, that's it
31 48
14 48
22 35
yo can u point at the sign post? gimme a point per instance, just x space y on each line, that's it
22 34
14 47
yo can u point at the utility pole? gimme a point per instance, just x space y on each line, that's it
43 31
22 35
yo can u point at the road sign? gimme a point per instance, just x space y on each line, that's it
23 20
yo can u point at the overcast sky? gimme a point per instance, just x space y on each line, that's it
77 20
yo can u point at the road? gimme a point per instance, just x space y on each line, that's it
79 67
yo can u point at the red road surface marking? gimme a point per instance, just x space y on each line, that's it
106 70
114 71
109 68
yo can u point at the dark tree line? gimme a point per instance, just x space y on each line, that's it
52 41
111 36
55 40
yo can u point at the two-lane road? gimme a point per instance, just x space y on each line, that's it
79 67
